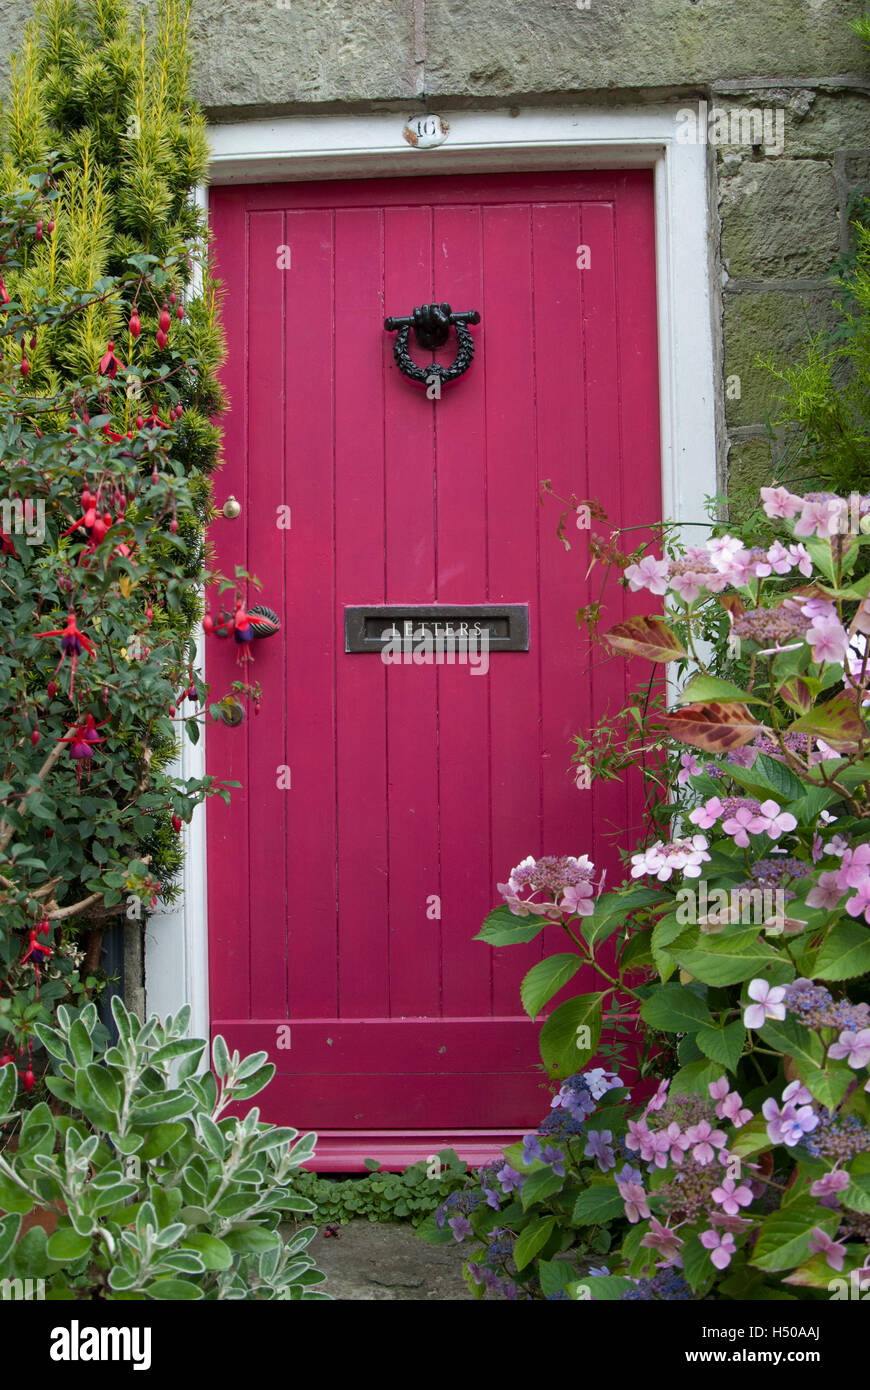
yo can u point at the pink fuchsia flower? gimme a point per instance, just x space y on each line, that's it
819 517
828 639
708 814
829 1185
721 1247
665 1241
634 1197
833 1250
731 1198
774 820
855 1047
579 898
704 1141
650 574
768 1003
825 893
741 825
779 503
689 767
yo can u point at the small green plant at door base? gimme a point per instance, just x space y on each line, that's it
158 1194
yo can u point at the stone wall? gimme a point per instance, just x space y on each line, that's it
781 212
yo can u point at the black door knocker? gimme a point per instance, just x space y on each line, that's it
431 325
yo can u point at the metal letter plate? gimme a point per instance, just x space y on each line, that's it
506 624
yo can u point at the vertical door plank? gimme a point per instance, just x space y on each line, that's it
363 921
266 733
411 690
310 750
462 545
512 508
230 935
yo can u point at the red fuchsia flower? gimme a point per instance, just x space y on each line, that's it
731 1198
768 1003
110 364
665 1241
833 1250
854 1047
781 504
721 1247
650 574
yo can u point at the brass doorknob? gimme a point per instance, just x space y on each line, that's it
231 508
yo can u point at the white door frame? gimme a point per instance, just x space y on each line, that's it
368 146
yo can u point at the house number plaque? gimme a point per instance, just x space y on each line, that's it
506 625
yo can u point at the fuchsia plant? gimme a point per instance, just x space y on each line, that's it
747 1173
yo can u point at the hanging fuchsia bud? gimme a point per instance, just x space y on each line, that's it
34 737
173 525
49 226
173 297
25 366
179 312
161 339
39 230
29 1079
164 319
51 690
135 325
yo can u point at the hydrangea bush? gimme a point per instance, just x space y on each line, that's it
741 934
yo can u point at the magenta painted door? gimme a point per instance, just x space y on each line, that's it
415 783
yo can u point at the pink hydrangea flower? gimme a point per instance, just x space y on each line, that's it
649 574
825 893
731 1198
779 559
768 1003
774 821
819 517
579 898
779 503
687 585
708 814
860 904
855 1047
634 1197
704 1141
689 767
828 639
665 1241
721 1247
821 1244
830 1184
741 825
802 558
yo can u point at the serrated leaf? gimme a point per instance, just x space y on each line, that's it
844 953
546 979
532 1239
723 1045
560 1038
675 1009
601 1202
783 1238
504 928
837 722
702 689
540 1184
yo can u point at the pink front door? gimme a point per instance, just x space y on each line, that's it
342 906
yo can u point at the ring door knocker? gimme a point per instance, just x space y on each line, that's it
431 324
